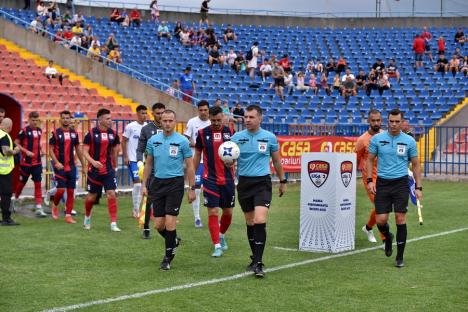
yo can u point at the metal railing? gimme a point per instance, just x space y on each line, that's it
163 87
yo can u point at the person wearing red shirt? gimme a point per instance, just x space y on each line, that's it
441 45
419 47
135 17
427 36
284 62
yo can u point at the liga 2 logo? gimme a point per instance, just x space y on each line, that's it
318 172
346 170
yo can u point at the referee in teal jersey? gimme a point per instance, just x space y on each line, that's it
254 189
393 148
167 153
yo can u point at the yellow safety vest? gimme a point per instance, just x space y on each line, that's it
7 163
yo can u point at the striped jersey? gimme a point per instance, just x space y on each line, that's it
30 139
63 143
100 144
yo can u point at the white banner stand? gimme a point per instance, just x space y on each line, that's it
328 202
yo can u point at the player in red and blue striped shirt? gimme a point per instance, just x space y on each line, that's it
64 142
101 146
218 180
29 142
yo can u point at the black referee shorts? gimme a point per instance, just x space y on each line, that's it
254 191
166 196
392 194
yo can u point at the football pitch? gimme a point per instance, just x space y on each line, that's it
47 264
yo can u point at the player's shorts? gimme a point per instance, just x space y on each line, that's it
97 181
254 191
168 195
215 195
198 175
418 57
34 171
65 179
133 170
392 194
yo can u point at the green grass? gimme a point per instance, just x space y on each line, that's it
45 264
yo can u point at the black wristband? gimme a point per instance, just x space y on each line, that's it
284 181
418 188
369 180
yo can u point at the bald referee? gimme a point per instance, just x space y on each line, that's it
254 189
393 148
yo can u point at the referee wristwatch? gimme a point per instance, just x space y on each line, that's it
418 188
284 181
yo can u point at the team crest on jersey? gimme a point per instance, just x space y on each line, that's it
262 147
111 136
217 136
346 170
158 131
318 172
66 135
227 136
104 136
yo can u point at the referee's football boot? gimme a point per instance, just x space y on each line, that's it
146 234
388 245
178 240
399 263
250 267
258 270
166 263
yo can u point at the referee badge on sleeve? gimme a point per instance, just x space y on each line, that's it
173 150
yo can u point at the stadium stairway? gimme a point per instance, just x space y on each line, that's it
22 76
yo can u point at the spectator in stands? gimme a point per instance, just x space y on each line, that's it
464 66
278 78
172 90
110 43
115 55
231 57
318 67
67 18
454 65
347 75
218 103
187 85
94 41
163 31
211 41
252 62
67 35
310 68
392 70
77 29
239 63
58 38
337 83
36 25
226 109
460 37
94 53
238 114
331 66
75 43
126 19
229 34
85 42
199 38
458 53
214 57
341 65
51 72
324 83
288 82
378 66
284 62
441 45
135 17
384 83
265 69
419 47
313 84
116 17
27 5
78 18
204 12
441 65
427 36
372 80
348 84
41 9
154 10
177 29
184 37
361 80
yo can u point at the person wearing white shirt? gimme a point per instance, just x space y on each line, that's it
347 75
252 64
191 132
266 69
75 43
130 139
231 57
51 72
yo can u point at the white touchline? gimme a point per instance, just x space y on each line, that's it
235 277
285 249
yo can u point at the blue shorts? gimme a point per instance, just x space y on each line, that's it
133 170
198 175
222 196
34 171
97 181
65 179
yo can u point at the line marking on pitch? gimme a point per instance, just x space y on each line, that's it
236 276
285 249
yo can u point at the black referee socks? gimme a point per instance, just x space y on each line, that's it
170 243
250 237
385 230
259 240
401 240
162 233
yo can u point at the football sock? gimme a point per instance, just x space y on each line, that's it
250 237
70 201
58 196
112 207
88 206
213 226
19 189
225 223
38 193
162 233
196 205
401 240
385 230
136 195
259 240
170 243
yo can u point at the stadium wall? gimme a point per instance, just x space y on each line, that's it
279 20
94 71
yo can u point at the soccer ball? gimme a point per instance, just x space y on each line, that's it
228 151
